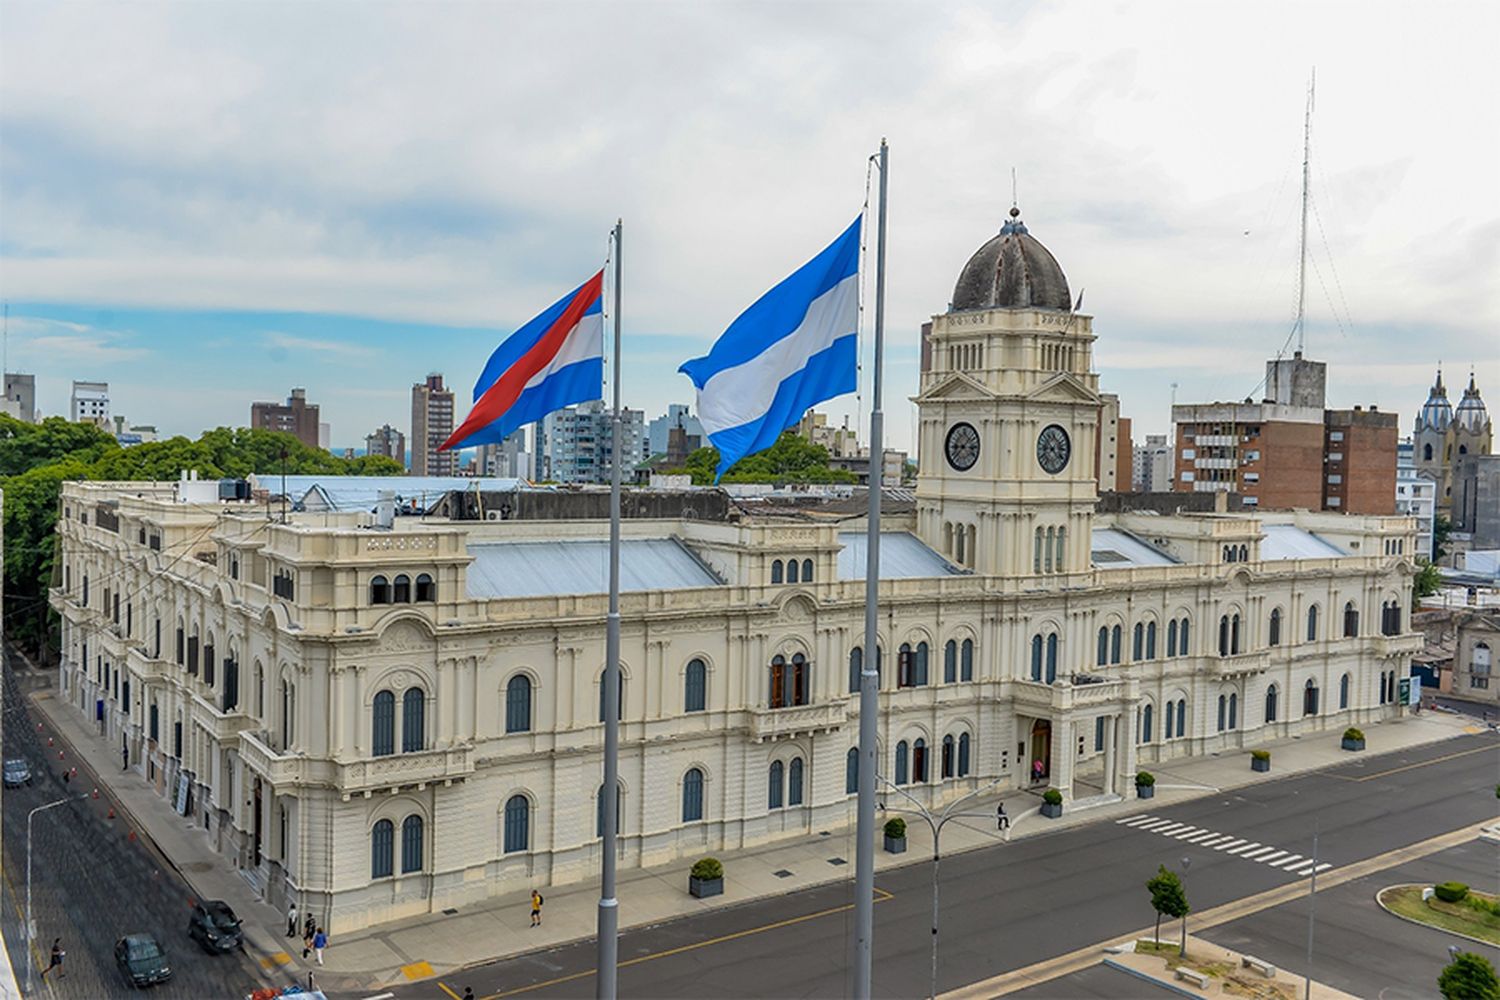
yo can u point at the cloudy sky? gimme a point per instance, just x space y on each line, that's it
207 204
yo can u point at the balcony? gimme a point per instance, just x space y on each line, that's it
1406 644
799 720
222 726
1039 699
424 767
1238 665
281 770
148 667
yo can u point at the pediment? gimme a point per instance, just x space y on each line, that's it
1063 388
957 386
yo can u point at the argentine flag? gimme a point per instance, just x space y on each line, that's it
795 347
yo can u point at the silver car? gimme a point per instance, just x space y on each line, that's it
17 773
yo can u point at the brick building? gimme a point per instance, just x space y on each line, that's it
296 417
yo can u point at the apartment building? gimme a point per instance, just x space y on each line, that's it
296 417
431 425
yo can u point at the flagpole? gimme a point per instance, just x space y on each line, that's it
609 915
869 678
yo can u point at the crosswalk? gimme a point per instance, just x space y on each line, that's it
1245 850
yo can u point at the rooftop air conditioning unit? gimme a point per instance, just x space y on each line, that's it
493 515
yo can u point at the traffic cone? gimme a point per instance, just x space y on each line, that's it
59 755
111 812
131 835
96 793
49 741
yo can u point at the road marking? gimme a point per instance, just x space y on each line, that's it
1188 832
1303 870
881 896
381 996
1169 829
1228 844
1216 840
1202 839
1240 851
1156 824
1409 767
417 970
1135 820
1323 867
1263 854
1285 864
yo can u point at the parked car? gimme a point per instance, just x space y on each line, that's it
142 960
214 926
17 773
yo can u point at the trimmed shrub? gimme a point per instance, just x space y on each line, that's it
1450 892
1469 977
1353 734
1052 797
895 828
1261 754
708 868
1144 779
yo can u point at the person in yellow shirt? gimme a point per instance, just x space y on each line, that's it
536 908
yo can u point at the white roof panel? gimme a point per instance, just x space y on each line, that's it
902 556
351 493
1111 548
535 569
1287 541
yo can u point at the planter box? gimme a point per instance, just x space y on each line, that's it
1349 744
1256 764
1051 811
895 845
702 888
1145 791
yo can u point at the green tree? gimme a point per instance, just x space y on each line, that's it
30 545
792 459
25 446
1441 529
1425 583
1469 977
1168 898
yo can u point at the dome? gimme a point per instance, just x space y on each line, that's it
1012 271
1436 413
1471 416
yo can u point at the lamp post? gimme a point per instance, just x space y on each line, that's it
1182 948
936 824
30 926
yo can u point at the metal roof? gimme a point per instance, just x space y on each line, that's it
535 569
1112 547
1287 541
902 556
351 493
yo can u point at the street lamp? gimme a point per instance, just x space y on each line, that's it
1187 863
936 824
30 926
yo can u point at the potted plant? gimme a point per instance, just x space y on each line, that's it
1052 803
1354 739
895 835
706 879
1145 784
1260 760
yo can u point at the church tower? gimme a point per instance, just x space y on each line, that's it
1009 417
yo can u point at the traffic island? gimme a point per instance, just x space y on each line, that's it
1448 906
1212 971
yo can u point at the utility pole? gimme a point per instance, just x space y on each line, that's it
31 923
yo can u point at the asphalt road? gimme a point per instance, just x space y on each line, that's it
92 884
1012 905
1097 981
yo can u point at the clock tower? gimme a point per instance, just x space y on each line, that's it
1009 417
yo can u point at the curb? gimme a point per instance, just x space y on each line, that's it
1422 923
1166 984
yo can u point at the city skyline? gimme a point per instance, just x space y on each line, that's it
261 250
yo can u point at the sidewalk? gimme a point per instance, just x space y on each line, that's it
422 948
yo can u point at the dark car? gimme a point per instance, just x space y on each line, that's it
17 773
214 926
141 960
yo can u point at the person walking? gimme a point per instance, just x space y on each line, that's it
125 757
57 958
291 920
468 993
320 941
536 908
1002 821
1037 769
308 927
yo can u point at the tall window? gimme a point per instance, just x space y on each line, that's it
775 784
1271 703
209 652
963 755
901 754
517 824
950 662
380 590
1172 637
1166 731
788 681
1114 644
856 667
1138 645
851 771
1234 710
1181 717
794 782
413 721
1151 640
1344 691
919 760
1223 635
1062 535
155 727
1052 658
776 571
411 844
807 571
1310 698
1351 620
1223 704
382 846
919 666
1312 624
1036 657
383 736
692 796
1102 657
425 589
518 704
1234 634
619 701
1182 637
966 661
231 697
1275 637
793 573
695 684
949 749
599 811
401 590
1146 713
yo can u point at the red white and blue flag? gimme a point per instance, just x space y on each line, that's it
553 361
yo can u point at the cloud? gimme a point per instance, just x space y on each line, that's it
282 343
36 338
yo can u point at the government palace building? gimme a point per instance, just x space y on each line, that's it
383 715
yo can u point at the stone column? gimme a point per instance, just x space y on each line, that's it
1064 751
1111 778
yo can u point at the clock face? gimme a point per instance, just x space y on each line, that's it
962 446
1053 449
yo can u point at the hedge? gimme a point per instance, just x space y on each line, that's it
895 828
1450 892
708 868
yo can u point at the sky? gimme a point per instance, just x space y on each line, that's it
208 204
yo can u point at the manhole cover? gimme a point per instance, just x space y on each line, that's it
782 874
837 861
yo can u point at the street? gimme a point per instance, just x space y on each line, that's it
92 883
1010 906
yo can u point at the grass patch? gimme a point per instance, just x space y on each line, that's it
1460 917
1144 947
1234 979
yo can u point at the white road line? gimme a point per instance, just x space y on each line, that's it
381 996
1155 824
1324 867
1222 838
1188 832
1228 844
1286 864
1256 855
1271 857
1199 838
1169 829
1248 847
1303 870
1134 820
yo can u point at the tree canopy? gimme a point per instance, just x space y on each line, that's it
792 459
1168 898
1469 977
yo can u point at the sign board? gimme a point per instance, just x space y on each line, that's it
180 803
1411 692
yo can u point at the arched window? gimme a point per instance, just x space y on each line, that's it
788 681
1102 657
794 782
1138 642
901 752
125 695
1172 637
1036 562
950 662
807 574
966 661
1344 691
1151 640
1271 703
1312 624
425 589
155 725
1166 731
919 672
1223 635
1036 657
518 704
692 796
401 590
1182 637
775 785
1244 553
919 760
382 848
411 844
851 771
599 811
1223 705
1234 710
1234 634
793 571
1275 636
1047 545
695 695
1146 713
383 736
1052 658
963 755
1351 620
776 571
380 590
517 824
620 689
949 748
1310 697
413 720
1427 452
856 667
1181 717
1114 644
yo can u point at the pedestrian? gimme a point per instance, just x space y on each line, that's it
1036 770
67 776
124 757
291 920
57 958
468 993
307 938
1002 821
320 941
536 908
308 926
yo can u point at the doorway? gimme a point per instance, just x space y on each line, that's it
1041 750
257 823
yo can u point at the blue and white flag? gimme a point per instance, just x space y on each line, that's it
795 347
